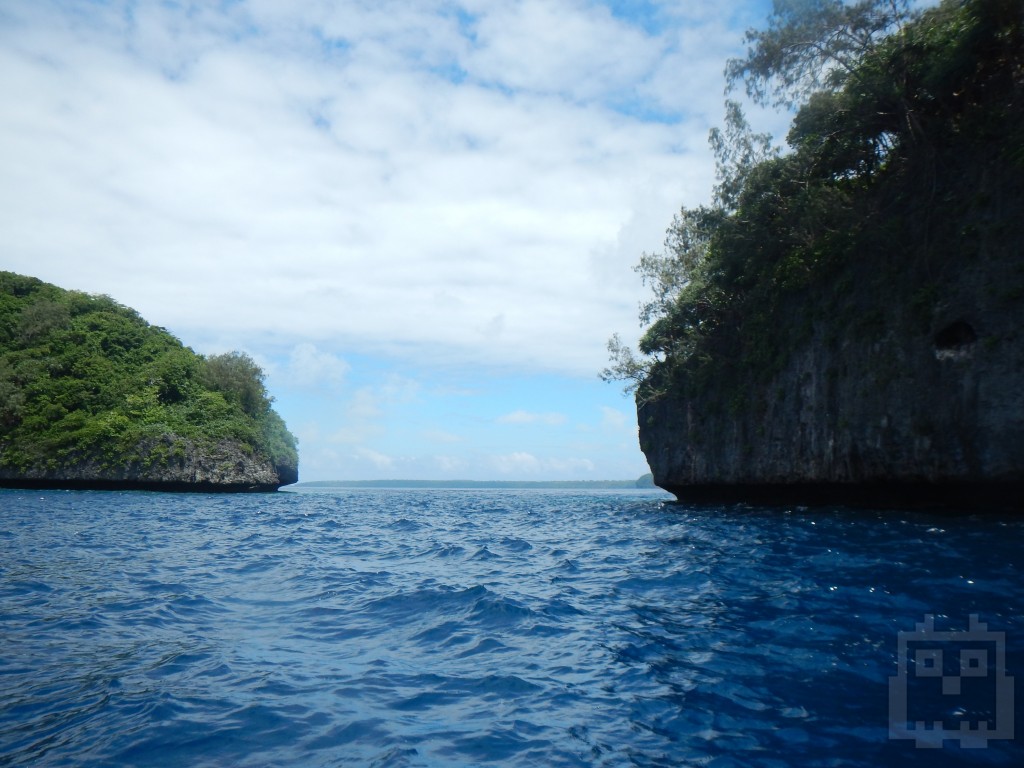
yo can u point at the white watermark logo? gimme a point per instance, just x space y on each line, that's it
951 686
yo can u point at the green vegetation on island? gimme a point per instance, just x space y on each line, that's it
898 114
87 383
848 311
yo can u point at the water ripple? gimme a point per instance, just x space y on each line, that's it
423 628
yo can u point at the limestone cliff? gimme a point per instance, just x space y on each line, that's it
170 464
847 324
904 386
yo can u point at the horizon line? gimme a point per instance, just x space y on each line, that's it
626 482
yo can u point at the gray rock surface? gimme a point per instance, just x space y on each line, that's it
169 464
905 389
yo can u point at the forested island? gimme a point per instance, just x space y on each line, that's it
843 321
94 397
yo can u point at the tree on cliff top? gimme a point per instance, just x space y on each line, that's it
239 379
887 95
812 46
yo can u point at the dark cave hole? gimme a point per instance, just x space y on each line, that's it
956 335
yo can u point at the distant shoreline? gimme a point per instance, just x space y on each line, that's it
481 484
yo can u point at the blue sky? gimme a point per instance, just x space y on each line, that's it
420 217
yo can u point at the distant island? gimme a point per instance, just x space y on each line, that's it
645 481
843 321
94 397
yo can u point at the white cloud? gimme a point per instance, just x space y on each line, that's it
363 406
351 432
389 177
441 436
523 463
368 403
613 418
360 418
345 189
517 463
310 368
571 467
527 417
377 459
449 465
563 47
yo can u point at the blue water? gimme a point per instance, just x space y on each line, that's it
457 628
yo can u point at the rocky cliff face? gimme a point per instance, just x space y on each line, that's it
169 464
907 390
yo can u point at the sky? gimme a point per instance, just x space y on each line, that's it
420 217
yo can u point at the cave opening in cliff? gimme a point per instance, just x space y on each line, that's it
955 336
955 341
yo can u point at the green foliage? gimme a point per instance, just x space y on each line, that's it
239 379
895 108
175 375
813 45
738 151
625 366
84 377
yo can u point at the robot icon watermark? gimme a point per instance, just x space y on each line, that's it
951 685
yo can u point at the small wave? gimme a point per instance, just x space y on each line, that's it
493 611
445 551
516 545
466 628
406 525
486 645
562 609
503 685
439 633
427 600
22 588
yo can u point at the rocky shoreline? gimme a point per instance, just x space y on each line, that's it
132 485
171 464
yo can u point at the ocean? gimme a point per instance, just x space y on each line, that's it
503 628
